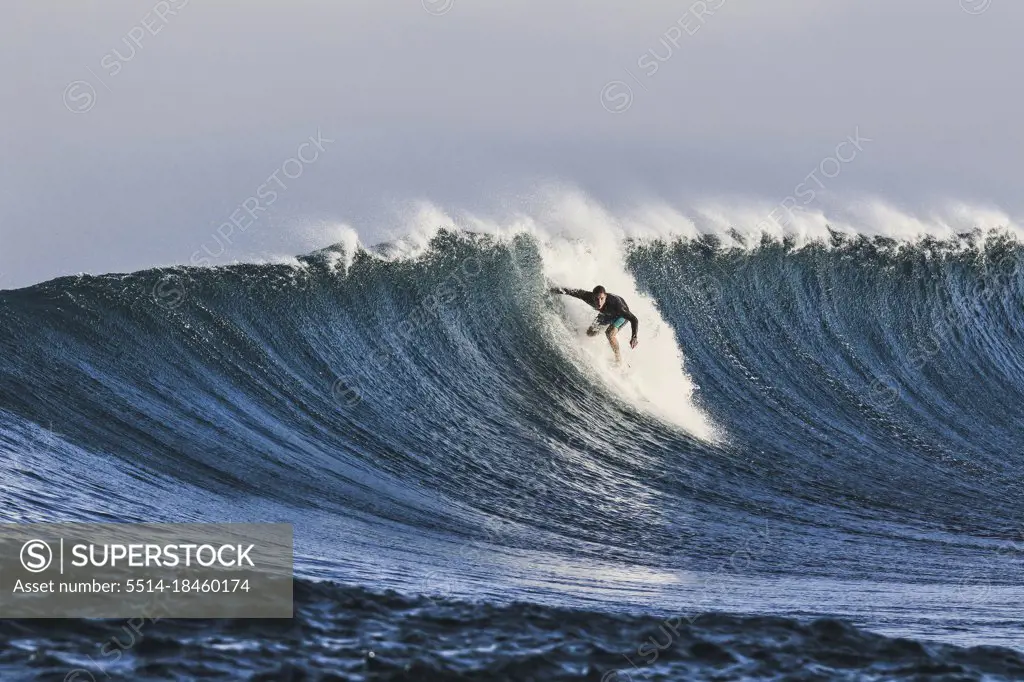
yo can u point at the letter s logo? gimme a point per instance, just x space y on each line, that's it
36 556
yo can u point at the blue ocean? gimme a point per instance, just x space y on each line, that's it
809 468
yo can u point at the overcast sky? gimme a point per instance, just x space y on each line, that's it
132 130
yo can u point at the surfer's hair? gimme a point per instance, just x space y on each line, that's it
599 289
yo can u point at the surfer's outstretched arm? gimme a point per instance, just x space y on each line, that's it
581 294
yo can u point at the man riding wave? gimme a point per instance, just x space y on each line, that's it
612 311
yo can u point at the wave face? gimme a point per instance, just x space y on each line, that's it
829 429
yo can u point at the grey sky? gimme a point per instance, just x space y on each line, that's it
484 99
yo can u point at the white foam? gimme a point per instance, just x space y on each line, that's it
589 250
583 242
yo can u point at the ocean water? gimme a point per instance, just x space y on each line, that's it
809 470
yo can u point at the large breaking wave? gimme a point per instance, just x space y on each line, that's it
842 410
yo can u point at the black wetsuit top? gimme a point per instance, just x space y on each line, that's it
614 306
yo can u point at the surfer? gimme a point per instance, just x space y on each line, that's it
612 311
